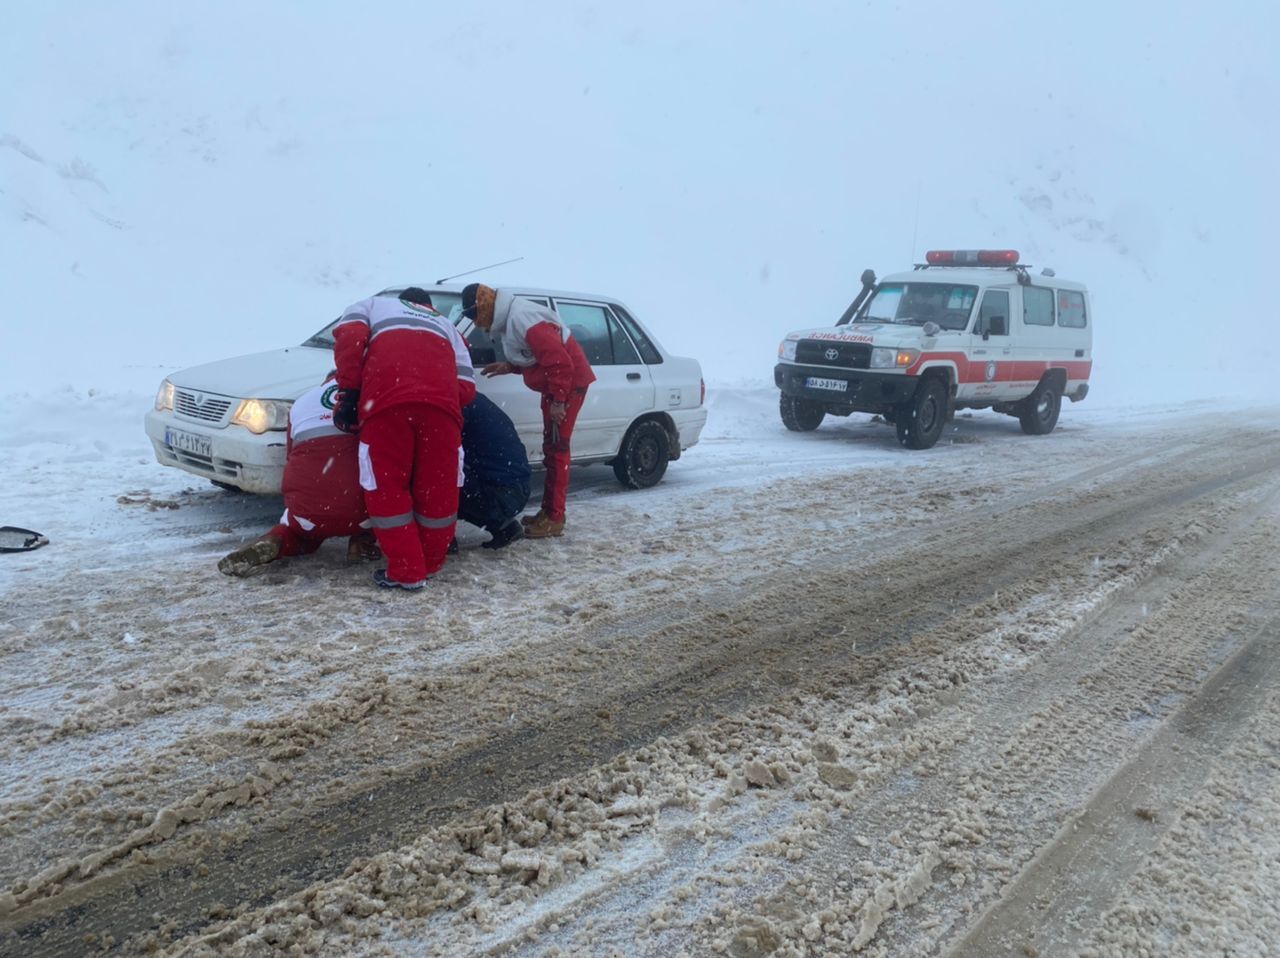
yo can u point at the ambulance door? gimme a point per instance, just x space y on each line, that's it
990 365
1036 343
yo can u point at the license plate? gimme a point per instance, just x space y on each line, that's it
817 382
189 442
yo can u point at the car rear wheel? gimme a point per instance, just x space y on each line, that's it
642 460
800 415
920 419
1038 413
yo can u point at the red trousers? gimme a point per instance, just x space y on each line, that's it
555 452
296 539
410 457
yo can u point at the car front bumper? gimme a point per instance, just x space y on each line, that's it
227 454
865 389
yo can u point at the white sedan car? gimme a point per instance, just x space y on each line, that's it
226 420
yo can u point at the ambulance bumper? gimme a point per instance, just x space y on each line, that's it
849 390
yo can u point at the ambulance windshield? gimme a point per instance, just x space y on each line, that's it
947 304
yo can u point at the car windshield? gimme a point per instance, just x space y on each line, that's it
443 302
947 304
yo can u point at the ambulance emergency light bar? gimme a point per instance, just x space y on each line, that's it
972 257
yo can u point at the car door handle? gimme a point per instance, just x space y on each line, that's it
634 377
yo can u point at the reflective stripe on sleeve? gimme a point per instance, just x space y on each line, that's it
467 372
316 432
391 522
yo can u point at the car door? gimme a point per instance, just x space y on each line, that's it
990 366
623 389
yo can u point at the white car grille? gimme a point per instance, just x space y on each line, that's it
199 406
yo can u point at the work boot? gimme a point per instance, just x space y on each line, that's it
453 547
244 561
527 521
362 546
381 578
504 535
544 527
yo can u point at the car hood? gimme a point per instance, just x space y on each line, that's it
277 374
879 334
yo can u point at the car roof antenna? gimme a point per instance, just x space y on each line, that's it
479 269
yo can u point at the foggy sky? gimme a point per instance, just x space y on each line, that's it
186 182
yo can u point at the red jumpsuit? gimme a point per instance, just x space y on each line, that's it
322 495
414 375
536 342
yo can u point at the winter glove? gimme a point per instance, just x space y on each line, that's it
346 410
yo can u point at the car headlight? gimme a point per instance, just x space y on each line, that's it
164 397
261 415
787 350
883 357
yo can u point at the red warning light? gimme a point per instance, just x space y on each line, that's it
972 257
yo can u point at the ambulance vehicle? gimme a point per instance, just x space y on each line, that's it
966 329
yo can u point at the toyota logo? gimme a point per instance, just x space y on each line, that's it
832 353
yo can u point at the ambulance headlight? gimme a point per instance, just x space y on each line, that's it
882 357
262 415
164 398
787 350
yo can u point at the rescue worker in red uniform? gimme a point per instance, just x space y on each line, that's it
322 495
404 375
540 347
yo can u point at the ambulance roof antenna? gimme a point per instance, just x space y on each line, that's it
479 269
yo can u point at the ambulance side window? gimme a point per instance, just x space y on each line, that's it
1037 306
993 317
1071 309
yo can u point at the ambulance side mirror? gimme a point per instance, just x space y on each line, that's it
995 326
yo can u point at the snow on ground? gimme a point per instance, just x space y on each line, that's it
152 710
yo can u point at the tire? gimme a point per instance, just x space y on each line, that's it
226 486
642 460
920 419
1038 413
800 415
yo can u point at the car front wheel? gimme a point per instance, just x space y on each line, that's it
642 460
800 415
920 419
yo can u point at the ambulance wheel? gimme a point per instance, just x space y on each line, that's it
800 415
642 460
1039 411
920 419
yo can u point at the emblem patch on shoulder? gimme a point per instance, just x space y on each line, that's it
326 397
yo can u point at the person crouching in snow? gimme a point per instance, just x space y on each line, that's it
404 374
538 345
322 495
496 473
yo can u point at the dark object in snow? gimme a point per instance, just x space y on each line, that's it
13 539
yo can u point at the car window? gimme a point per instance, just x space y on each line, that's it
598 334
648 352
1037 306
1071 309
947 304
995 303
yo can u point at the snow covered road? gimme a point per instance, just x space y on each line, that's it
812 695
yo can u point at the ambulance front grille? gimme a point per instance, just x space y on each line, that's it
193 405
819 352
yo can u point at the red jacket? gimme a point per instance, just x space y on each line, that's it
560 364
322 472
396 352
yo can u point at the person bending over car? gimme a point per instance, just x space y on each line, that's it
496 473
322 495
539 346
404 374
